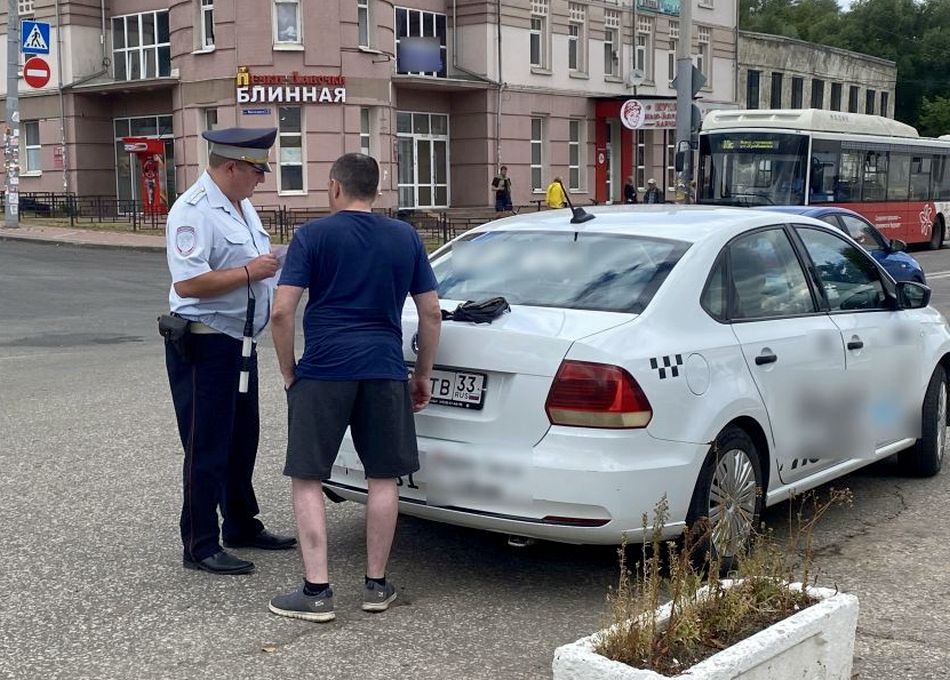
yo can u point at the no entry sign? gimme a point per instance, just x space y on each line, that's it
36 72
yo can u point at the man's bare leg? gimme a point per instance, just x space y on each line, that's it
382 509
310 511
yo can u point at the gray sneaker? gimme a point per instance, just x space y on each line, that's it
377 598
297 605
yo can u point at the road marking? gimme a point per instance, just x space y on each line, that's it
939 275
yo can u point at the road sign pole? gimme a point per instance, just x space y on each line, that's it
684 95
11 136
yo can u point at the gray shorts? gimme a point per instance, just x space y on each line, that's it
378 412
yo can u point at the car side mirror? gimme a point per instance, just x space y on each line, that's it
898 246
912 295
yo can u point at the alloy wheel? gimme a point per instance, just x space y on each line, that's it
732 502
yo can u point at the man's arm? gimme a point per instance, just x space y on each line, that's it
430 324
219 282
282 321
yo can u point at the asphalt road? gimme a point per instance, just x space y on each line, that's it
92 585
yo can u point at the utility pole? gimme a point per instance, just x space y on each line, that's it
689 80
11 136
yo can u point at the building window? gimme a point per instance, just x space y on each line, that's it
362 22
208 120
575 147
884 103
537 154
643 57
25 8
641 159
127 167
290 148
752 90
869 97
853 99
611 42
671 56
206 16
423 159
30 151
798 92
836 96
538 39
287 22
577 38
817 93
140 46
702 57
775 98
415 23
365 131
670 142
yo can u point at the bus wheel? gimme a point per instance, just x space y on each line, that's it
936 237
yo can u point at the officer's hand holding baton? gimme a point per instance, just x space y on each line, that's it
261 267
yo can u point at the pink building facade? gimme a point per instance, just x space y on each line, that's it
535 85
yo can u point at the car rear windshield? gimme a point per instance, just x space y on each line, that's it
604 272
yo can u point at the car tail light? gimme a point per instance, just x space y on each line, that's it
586 394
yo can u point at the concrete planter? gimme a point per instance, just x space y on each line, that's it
817 643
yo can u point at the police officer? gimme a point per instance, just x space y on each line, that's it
219 257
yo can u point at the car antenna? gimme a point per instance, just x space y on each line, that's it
580 215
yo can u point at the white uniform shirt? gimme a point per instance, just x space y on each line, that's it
204 233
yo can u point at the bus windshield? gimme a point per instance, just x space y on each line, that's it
752 168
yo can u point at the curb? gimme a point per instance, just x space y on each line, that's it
139 247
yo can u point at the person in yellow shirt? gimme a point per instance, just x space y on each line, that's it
556 197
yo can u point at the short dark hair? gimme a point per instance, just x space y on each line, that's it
504 167
358 174
216 161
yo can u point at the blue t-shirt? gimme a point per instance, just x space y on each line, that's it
359 268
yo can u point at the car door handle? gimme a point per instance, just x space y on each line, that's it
763 359
855 344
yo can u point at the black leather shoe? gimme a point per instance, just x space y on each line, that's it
265 540
220 563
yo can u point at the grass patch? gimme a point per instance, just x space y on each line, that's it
706 614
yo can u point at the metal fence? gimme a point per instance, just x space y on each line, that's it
436 226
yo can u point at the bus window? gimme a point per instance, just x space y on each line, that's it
824 171
920 168
942 178
898 177
753 168
875 176
848 186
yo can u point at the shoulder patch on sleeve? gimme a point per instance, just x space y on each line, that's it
185 240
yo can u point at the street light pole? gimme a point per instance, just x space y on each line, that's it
11 136
684 96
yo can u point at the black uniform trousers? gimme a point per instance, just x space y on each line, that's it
219 430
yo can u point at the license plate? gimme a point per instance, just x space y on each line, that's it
461 389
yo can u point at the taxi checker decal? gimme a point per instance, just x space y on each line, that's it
670 365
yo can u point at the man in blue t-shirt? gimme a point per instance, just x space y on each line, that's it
359 268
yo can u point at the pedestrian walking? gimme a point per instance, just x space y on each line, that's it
501 185
556 196
652 194
629 191
358 268
222 268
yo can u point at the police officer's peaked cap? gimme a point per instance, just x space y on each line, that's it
244 144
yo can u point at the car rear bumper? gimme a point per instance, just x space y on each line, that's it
575 486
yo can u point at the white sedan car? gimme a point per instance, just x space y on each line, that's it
722 358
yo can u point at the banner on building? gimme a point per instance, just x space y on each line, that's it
296 88
671 7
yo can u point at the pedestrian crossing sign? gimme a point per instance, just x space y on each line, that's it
34 37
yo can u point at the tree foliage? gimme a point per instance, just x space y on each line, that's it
912 33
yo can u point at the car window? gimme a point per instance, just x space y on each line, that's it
863 233
713 299
567 269
847 275
767 278
832 220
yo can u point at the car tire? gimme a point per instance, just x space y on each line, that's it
937 235
729 496
925 457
